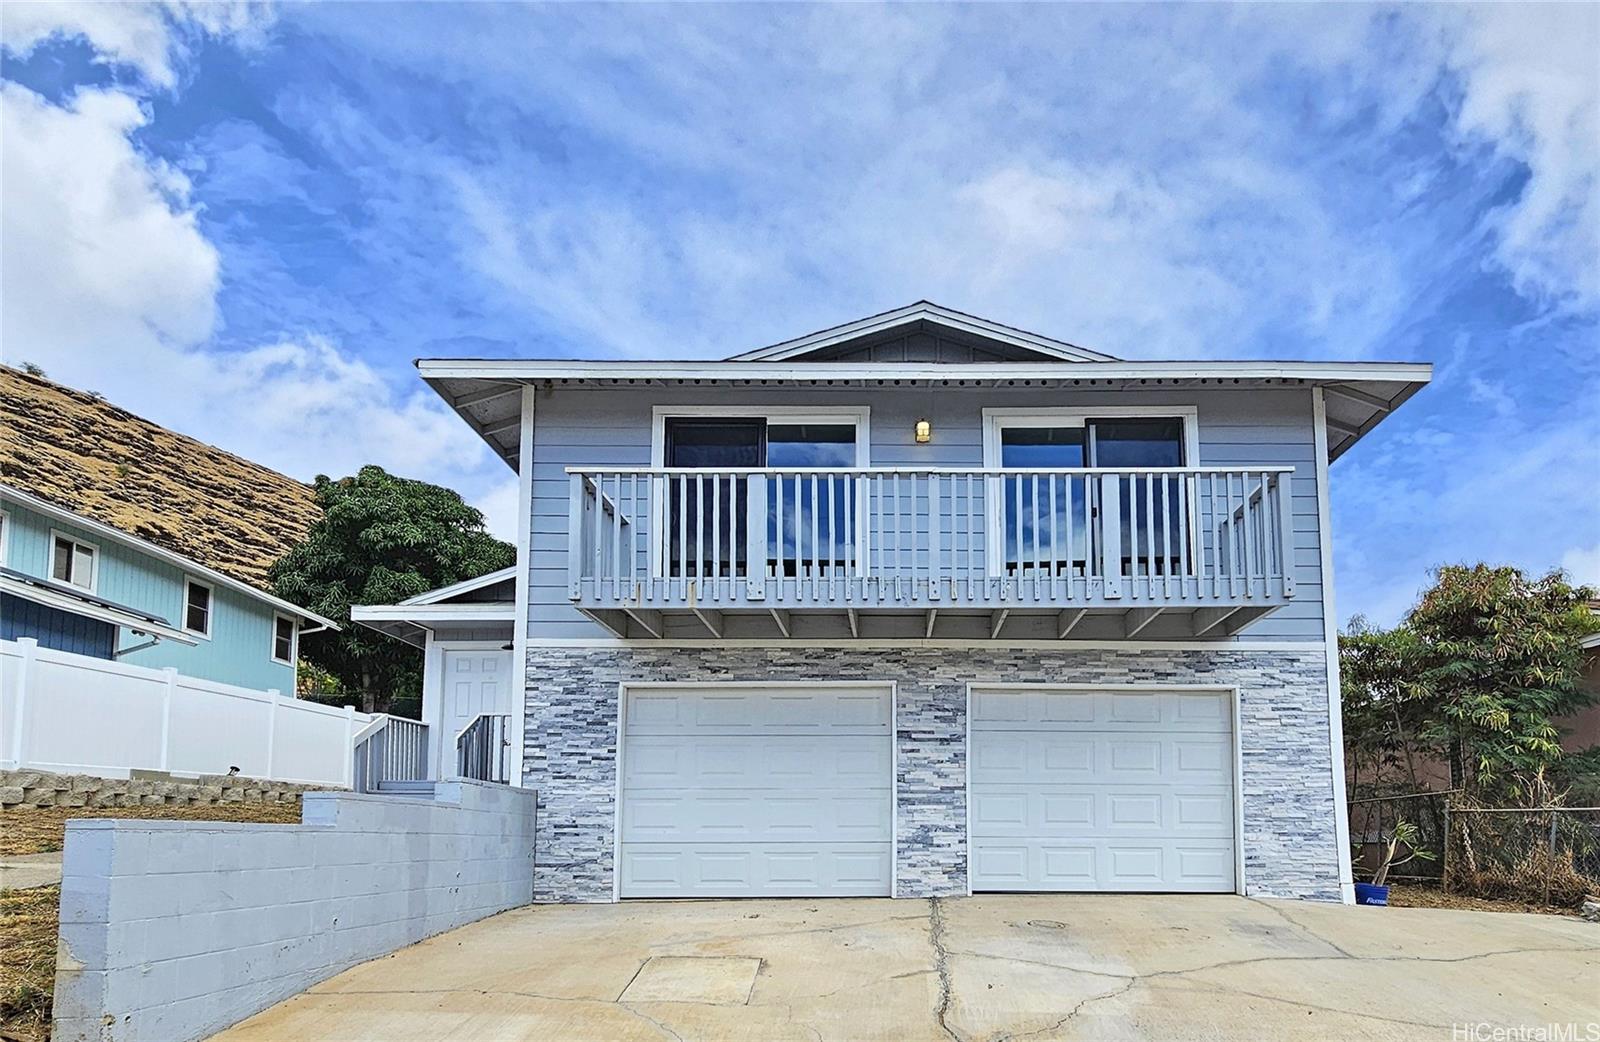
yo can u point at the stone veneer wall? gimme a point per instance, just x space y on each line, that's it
33 789
570 743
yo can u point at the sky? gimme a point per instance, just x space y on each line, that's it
244 221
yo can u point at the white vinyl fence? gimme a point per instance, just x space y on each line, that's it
79 715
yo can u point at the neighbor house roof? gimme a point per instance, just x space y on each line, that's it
85 455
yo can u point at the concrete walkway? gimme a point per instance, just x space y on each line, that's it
19 871
989 968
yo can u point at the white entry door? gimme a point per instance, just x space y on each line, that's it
757 791
475 682
1102 790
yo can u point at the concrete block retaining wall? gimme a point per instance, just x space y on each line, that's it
33 789
173 930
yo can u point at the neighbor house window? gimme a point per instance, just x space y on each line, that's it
73 562
197 608
5 530
283 639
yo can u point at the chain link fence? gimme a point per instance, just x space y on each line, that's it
1544 855
1373 820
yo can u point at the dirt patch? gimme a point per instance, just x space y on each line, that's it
1411 895
43 829
28 917
27 961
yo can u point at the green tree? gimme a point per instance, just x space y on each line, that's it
1475 677
1498 657
1384 710
381 539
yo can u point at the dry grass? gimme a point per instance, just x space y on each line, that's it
27 961
28 917
37 831
1431 895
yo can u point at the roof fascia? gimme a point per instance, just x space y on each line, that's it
970 324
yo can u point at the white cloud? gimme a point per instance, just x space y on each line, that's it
146 36
499 505
102 257
1532 87
110 284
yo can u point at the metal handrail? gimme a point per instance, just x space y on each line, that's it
391 749
481 749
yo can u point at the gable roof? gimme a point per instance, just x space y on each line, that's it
1003 343
87 456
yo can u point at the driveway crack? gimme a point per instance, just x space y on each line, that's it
941 965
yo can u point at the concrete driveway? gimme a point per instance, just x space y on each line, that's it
990 968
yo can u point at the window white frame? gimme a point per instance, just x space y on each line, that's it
859 416
57 535
211 608
997 420
294 639
5 535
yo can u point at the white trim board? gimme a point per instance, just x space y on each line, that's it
912 314
936 642
1330 630
519 620
1232 691
444 593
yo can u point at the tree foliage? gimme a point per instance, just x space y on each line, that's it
1475 677
381 539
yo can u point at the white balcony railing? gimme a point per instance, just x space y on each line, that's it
880 537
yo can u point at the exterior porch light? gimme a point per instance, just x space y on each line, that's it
924 432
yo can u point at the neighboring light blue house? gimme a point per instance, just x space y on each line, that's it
79 585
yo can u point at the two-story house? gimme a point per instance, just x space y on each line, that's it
120 539
918 605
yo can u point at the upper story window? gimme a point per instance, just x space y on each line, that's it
284 639
197 608
706 528
73 562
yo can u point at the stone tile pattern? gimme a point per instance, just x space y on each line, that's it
34 789
173 930
571 747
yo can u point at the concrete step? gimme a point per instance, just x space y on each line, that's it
406 788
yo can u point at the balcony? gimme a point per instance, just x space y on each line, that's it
923 553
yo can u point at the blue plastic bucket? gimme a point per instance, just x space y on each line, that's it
1371 894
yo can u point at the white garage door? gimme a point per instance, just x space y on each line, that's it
1102 790
742 791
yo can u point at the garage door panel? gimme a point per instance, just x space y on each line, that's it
747 791
755 870
1162 711
1019 811
1156 865
676 762
714 711
1117 791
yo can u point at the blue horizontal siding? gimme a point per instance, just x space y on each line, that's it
612 427
239 650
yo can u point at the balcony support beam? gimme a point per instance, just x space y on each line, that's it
615 621
1068 620
712 619
996 620
855 622
1135 621
1207 619
649 619
927 634
781 617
